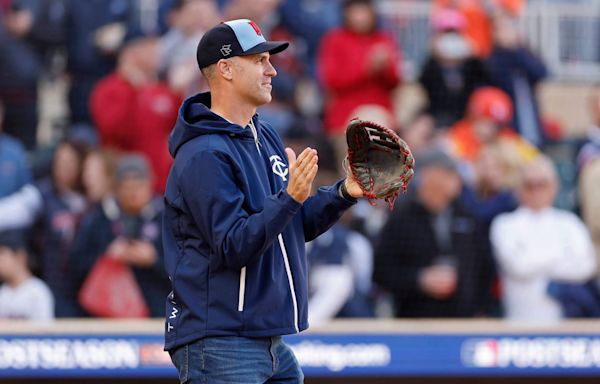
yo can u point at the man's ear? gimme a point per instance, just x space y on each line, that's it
225 69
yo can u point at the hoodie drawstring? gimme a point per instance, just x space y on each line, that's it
255 134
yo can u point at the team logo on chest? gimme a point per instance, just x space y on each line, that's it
279 168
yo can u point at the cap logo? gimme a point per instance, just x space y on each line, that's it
255 27
247 34
226 50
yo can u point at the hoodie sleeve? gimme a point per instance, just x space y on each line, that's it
322 210
216 204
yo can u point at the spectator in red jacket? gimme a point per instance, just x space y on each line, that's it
133 111
358 65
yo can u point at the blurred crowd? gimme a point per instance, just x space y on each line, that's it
476 235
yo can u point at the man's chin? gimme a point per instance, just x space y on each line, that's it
260 98
264 99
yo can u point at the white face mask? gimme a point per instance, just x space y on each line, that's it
452 46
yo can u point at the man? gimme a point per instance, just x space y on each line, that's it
340 275
340 263
187 21
432 256
237 216
590 146
96 29
588 163
452 71
358 65
14 168
517 71
20 69
133 111
126 228
538 245
488 112
22 295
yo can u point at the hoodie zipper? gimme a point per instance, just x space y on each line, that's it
286 260
288 270
242 289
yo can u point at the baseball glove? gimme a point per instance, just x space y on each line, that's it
378 160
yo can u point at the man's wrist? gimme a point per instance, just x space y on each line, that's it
344 192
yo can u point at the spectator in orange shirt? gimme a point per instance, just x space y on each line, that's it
488 113
358 64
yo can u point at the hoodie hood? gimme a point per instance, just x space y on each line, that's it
195 118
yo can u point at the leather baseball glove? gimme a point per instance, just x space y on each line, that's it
378 160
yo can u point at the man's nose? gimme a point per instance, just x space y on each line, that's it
270 71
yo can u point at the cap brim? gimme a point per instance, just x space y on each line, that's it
273 47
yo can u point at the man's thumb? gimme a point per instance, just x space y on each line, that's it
291 155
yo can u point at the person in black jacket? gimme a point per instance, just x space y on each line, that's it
451 73
128 228
20 69
517 71
431 255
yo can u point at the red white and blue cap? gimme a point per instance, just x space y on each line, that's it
234 38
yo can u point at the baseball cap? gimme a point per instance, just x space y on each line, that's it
350 3
13 239
435 157
491 103
234 38
448 19
133 166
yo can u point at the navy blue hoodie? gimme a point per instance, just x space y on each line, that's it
233 237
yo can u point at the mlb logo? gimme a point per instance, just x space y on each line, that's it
480 353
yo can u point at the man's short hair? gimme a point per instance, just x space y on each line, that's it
349 3
540 165
176 5
209 72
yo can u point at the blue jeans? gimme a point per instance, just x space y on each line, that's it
237 360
